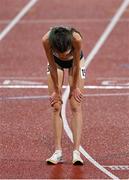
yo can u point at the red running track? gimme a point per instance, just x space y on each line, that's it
25 116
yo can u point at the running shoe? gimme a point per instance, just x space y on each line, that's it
77 160
55 158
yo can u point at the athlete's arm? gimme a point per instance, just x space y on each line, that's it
52 65
77 44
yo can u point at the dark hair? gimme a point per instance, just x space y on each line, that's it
60 39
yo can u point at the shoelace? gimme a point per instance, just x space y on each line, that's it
55 154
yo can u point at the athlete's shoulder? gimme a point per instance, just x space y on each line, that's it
77 36
45 37
76 32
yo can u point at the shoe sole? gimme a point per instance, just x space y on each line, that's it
76 163
49 162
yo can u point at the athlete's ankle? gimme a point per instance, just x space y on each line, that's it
58 148
58 151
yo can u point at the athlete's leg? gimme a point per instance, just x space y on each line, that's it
76 107
56 109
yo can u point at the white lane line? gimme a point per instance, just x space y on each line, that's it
69 133
40 97
17 18
113 78
106 87
19 82
117 167
114 83
107 32
23 86
44 77
22 78
90 57
34 86
24 97
106 94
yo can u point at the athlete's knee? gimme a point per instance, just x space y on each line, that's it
57 107
75 106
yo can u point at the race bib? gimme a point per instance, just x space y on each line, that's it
83 72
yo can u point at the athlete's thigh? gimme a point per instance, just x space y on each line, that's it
60 74
81 75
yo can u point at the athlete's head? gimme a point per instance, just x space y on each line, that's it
60 39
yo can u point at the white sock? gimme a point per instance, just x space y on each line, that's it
59 151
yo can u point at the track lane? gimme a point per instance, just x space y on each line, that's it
70 172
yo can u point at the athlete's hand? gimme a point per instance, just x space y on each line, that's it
54 98
76 93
